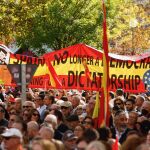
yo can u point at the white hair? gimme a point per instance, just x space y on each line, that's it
33 125
96 145
52 119
31 103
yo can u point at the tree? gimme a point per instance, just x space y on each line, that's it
56 24
125 39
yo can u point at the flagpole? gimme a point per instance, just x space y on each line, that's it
105 81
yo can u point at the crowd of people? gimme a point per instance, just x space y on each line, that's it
62 120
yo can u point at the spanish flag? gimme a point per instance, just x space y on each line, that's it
101 110
105 80
98 113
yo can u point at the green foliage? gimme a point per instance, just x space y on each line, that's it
56 24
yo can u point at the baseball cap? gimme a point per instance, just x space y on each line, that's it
12 132
69 135
11 99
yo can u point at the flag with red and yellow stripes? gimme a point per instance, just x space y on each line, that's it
98 113
105 80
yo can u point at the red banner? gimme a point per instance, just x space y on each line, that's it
66 69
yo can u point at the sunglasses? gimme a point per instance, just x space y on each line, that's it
8 138
34 114
26 106
63 107
12 113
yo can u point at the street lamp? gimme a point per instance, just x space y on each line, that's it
133 24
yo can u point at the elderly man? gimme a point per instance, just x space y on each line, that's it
66 107
28 105
75 103
12 139
51 119
47 132
120 122
18 105
32 129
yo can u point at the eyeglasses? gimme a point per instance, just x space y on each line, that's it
63 107
12 113
87 122
34 114
8 138
26 106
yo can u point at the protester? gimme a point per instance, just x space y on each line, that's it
132 143
61 124
90 135
29 105
35 116
68 118
26 115
47 132
32 130
138 102
18 105
12 139
66 108
69 140
120 121
49 100
145 109
130 105
81 143
79 130
13 118
41 107
43 145
72 121
96 145
88 122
